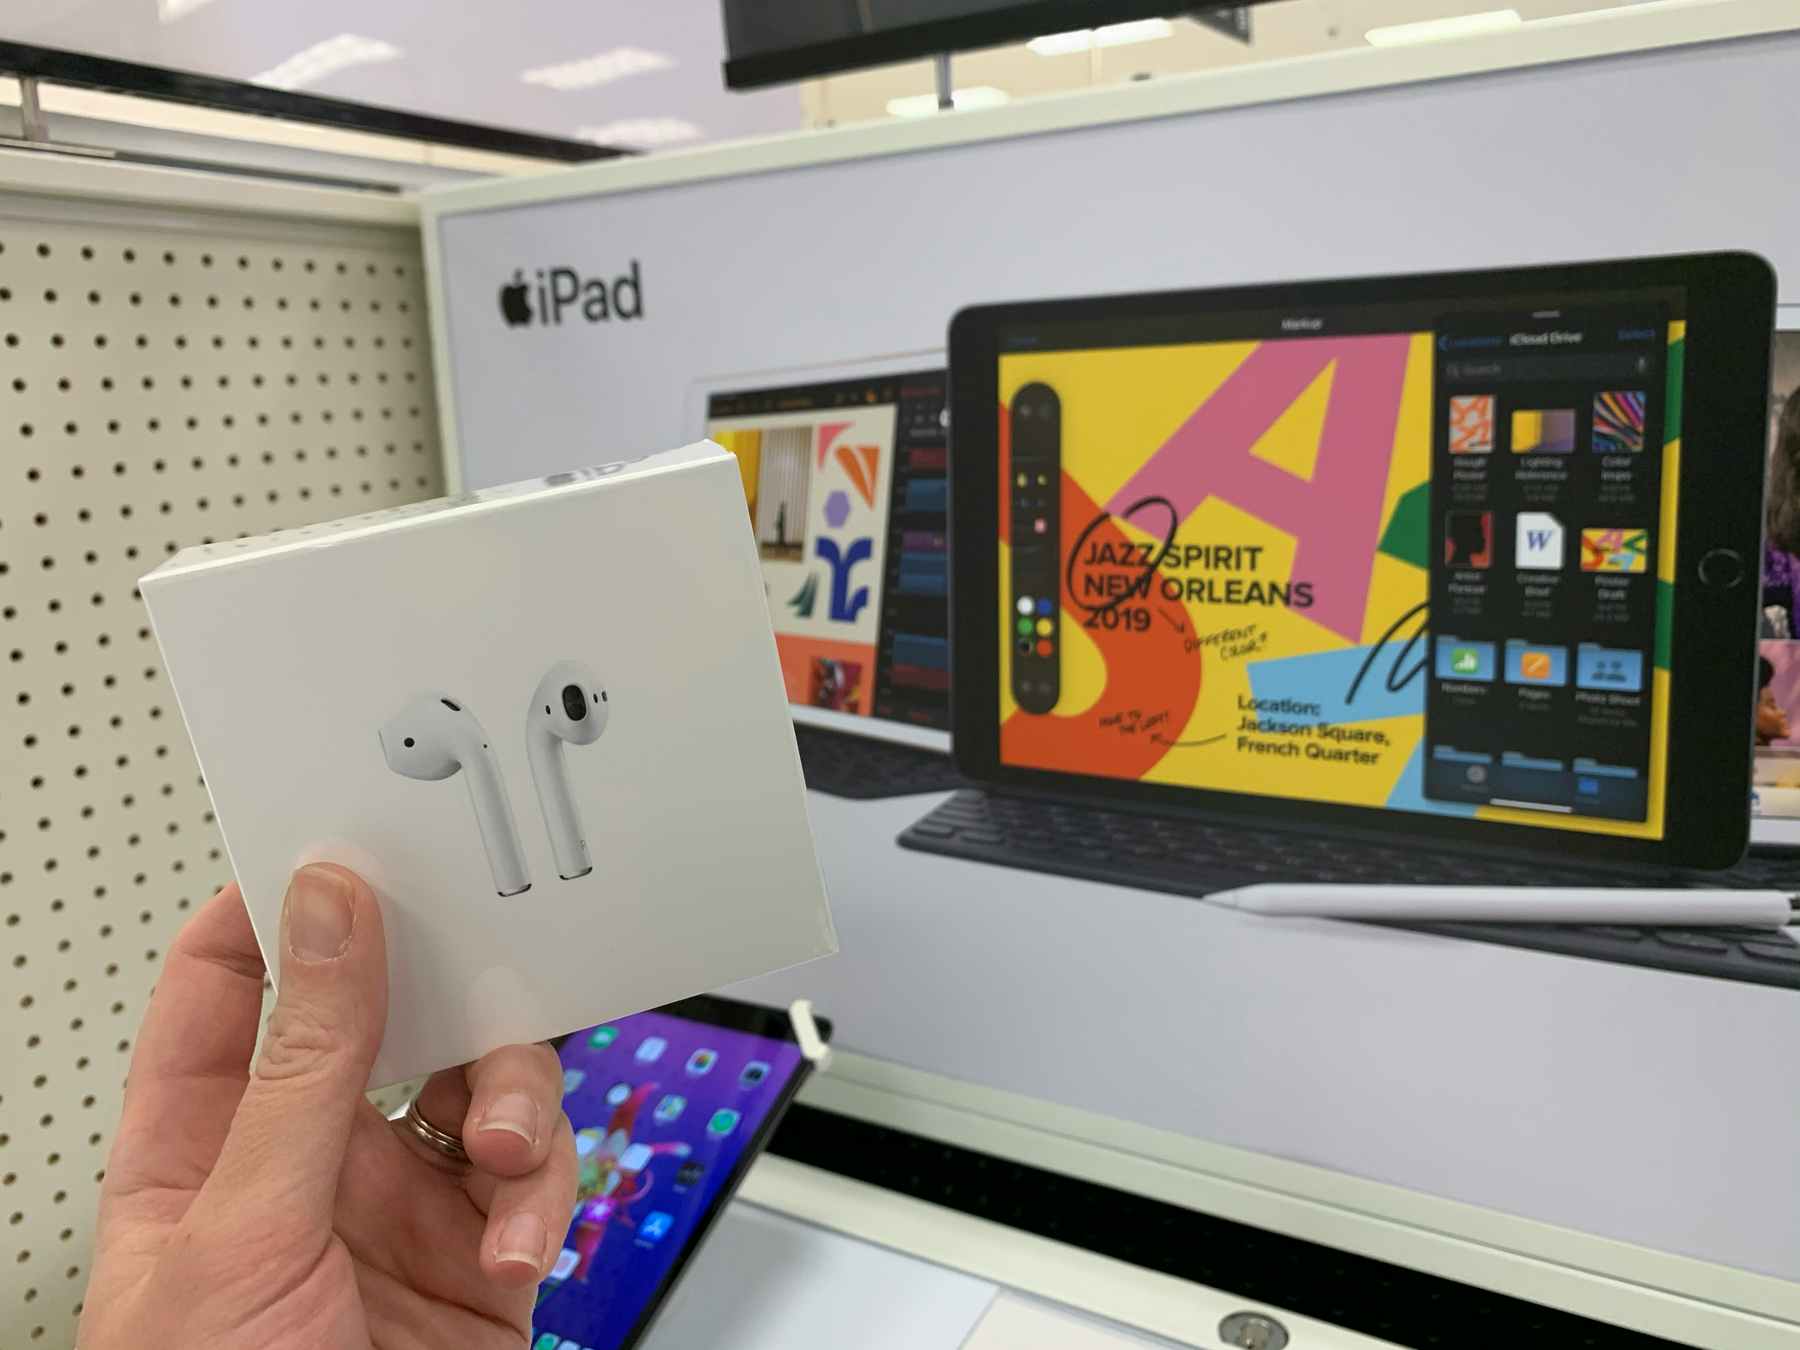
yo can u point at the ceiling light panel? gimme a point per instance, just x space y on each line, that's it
167 11
327 58
601 68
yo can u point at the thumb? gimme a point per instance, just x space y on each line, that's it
287 1141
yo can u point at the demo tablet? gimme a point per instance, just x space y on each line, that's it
670 1107
1467 556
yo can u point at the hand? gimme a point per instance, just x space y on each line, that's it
275 1207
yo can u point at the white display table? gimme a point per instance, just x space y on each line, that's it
1562 1129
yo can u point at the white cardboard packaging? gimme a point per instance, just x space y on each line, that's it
302 659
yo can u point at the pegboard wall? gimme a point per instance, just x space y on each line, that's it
165 379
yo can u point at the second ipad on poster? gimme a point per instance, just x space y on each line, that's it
845 471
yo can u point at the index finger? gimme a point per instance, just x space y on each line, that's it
193 1053
514 1104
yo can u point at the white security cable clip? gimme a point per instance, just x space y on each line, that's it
806 1034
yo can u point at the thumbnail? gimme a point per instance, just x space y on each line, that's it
836 685
1543 431
1615 550
1472 424
1469 539
1619 422
778 503
1539 545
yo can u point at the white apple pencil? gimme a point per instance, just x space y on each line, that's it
1516 904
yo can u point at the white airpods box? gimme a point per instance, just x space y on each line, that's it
545 721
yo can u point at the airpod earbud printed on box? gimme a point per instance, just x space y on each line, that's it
568 708
434 737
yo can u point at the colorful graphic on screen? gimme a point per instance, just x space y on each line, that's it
1223 563
817 487
1472 424
1619 422
1543 431
1614 550
846 485
663 1109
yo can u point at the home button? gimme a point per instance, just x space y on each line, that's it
1722 569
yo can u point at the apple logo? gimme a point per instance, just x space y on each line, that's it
514 306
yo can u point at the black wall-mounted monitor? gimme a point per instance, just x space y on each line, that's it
801 39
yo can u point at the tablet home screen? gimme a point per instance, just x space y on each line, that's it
663 1110
1416 558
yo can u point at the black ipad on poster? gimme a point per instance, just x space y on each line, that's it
670 1107
1467 557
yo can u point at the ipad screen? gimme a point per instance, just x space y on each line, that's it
666 1110
1416 558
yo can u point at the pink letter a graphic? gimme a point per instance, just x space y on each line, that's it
1335 517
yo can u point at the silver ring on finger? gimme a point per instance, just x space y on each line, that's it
441 1142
